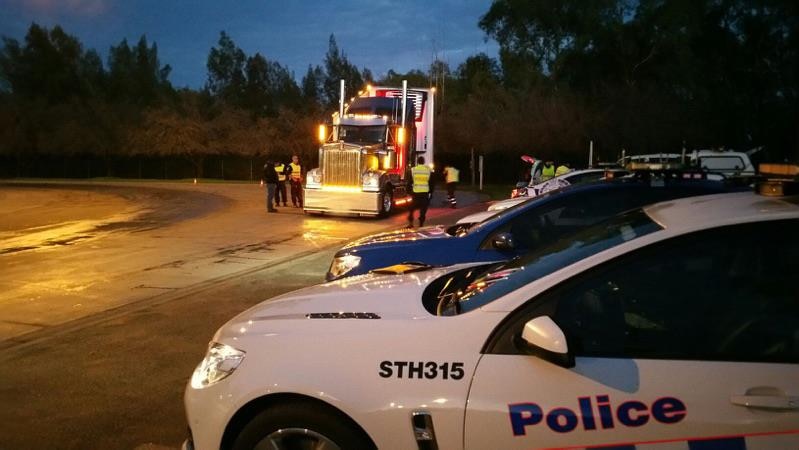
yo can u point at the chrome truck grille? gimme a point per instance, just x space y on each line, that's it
341 165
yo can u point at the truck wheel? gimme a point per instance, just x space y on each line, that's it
300 426
386 203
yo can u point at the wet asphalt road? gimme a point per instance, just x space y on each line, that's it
162 266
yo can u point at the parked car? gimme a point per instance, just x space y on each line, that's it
513 231
674 324
567 179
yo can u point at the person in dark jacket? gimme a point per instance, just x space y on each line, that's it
270 180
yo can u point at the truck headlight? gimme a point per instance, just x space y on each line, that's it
370 182
220 361
343 264
313 179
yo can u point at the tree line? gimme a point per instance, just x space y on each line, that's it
644 76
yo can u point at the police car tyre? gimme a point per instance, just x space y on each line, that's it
301 425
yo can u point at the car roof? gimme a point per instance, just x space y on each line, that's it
721 209
617 183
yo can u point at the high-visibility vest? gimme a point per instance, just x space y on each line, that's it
421 178
296 170
453 175
561 170
547 172
281 176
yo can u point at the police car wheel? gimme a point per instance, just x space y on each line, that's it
299 426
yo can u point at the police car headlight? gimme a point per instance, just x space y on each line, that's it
370 182
220 361
343 264
313 179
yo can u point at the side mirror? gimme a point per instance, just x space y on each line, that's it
543 338
503 241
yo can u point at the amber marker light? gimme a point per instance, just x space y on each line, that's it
322 134
401 136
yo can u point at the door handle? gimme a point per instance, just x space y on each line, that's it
766 401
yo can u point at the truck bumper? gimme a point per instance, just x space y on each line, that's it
333 202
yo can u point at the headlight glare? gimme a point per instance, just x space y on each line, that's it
220 361
313 179
370 181
343 264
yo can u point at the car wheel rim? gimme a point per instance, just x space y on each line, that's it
296 439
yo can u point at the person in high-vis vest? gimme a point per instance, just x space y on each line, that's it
420 184
280 192
295 179
548 172
452 176
562 169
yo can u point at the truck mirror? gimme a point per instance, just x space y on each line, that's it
543 338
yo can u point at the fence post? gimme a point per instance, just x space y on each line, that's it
471 165
481 173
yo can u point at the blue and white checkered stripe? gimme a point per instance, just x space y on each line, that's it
784 441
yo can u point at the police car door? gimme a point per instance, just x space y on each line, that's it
692 344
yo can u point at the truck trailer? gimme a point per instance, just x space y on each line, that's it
366 150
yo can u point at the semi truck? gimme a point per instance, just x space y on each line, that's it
366 149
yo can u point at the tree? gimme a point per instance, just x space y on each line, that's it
51 65
226 79
541 31
136 74
312 84
338 67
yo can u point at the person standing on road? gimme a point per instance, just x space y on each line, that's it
270 180
452 176
548 171
420 184
295 178
562 169
280 192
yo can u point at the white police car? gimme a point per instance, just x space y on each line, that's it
675 326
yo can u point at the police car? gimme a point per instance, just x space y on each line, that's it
515 230
674 326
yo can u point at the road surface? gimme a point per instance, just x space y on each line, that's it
110 293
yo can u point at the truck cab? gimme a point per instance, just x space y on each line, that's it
366 150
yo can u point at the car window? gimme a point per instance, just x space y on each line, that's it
721 163
724 294
502 278
564 215
585 177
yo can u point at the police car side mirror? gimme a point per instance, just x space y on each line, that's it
543 338
503 241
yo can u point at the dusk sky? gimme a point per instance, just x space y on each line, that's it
376 34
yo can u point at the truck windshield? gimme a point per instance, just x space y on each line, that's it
362 134
476 290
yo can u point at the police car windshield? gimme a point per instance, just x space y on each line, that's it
502 278
362 134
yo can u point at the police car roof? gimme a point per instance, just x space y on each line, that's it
722 209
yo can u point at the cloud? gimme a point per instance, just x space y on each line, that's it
80 8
